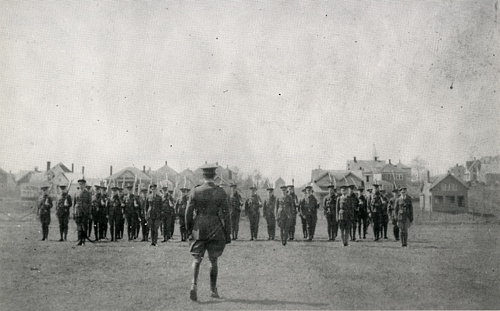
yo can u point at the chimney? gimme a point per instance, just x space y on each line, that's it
428 177
72 167
217 163
457 164
83 170
375 158
205 162
144 168
110 170
165 162
355 161
48 165
36 168
390 161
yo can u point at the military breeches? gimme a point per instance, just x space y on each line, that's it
291 226
154 224
362 224
167 223
113 227
172 226
235 224
311 225
271 226
303 221
82 223
403 225
332 225
254 224
145 229
103 226
130 226
45 221
63 223
284 224
376 219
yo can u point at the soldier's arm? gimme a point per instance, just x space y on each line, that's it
410 210
189 214
337 208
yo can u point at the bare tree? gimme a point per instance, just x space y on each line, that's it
419 166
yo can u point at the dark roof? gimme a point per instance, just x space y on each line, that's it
63 167
133 170
390 168
439 178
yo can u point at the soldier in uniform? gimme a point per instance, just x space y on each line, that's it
284 212
94 211
180 211
102 214
207 219
90 219
302 217
384 215
344 213
167 212
293 220
172 219
83 203
153 207
43 212
129 203
114 213
235 203
329 207
376 205
269 210
355 211
392 214
404 214
309 210
143 214
63 207
362 214
252 209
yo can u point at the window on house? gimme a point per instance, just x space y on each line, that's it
399 176
450 200
367 178
461 201
439 199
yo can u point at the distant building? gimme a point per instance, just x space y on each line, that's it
387 175
336 177
127 177
484 170
458 171
444 193
279 183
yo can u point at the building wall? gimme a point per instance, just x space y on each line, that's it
449 196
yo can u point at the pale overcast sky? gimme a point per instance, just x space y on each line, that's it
280 86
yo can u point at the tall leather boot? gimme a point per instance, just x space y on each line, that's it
213 282
79 238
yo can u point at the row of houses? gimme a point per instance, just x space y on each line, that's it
485 170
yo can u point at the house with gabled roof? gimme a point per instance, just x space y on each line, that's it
444 193
127 177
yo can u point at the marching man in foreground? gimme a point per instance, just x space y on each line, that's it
207 220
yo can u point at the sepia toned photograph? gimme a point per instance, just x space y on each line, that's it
249 155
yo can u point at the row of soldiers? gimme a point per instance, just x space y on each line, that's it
348 211
151 210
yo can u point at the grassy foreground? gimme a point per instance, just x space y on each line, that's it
452 266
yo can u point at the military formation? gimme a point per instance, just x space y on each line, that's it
209 218
154 211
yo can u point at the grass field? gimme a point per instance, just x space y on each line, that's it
452 265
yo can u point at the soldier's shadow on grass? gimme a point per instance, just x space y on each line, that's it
267 302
